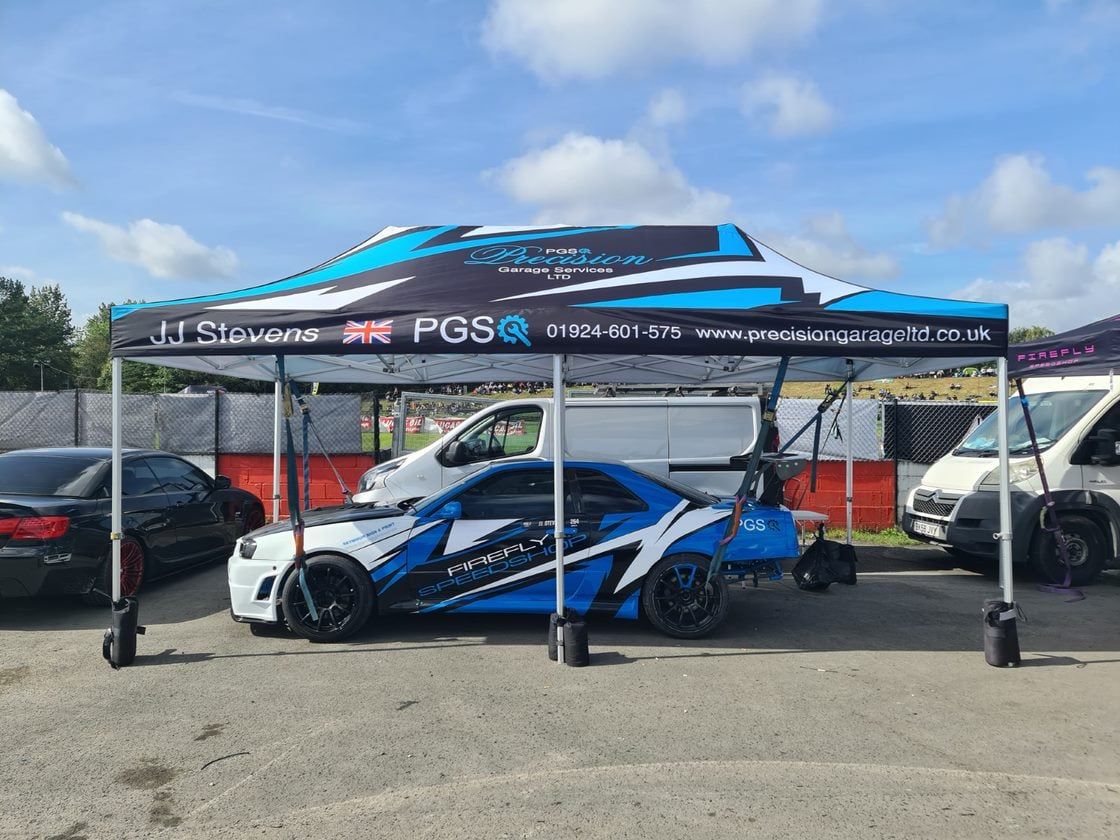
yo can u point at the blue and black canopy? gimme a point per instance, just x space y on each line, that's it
1091 349
634 304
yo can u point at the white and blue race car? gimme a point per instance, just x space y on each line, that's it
636 544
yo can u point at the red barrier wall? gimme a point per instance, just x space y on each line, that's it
254 473
872 505
873 496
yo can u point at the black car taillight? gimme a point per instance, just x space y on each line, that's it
34 528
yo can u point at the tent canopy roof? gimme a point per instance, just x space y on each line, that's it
1090 349
682 304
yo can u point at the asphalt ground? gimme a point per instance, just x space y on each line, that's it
865 711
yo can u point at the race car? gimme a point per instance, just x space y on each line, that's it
634 544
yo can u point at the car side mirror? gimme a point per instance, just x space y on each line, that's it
222 482
1106 448
455 454
451 510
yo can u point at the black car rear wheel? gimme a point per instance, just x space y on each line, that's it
132 573
341 592
680 601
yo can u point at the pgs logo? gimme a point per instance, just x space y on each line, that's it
457 329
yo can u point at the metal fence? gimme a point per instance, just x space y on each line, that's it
187 424
923 432
417 419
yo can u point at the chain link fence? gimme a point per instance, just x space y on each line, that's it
923 432
418 419
186 424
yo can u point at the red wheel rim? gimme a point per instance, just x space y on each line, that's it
132 567
254 519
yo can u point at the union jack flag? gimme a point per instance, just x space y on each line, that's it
367 332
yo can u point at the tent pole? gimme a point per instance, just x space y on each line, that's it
1004 536
848 479
277 397
116 523
558 493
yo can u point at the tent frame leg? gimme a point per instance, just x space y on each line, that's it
276 431
558 532
849 408
116 515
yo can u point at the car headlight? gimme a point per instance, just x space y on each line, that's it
375 479
1022 471
247 548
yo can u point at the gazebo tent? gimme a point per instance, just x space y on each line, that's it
635 304
1082 351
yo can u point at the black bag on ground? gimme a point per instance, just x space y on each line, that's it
823 563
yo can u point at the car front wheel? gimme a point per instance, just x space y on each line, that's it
679 600
342 595
1085 544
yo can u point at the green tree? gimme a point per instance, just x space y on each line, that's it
1022 334
35 327
91 350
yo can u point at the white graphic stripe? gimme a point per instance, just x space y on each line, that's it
316 300
467 532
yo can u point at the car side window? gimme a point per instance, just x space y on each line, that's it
512 494
136 479
503 434
599 494
177 476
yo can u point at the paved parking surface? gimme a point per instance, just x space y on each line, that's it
864 711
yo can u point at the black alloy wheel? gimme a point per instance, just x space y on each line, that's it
680 601
341 592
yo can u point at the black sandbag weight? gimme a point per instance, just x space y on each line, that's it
1001 635
119 644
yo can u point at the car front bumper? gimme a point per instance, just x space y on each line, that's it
973 523
254 587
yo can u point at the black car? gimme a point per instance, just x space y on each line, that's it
55 519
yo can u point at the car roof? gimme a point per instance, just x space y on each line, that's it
99 452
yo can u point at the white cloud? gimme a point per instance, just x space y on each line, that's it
1064 285
28 276
590 180
590 39
1019 196
25 152
163 250
668 108
790 107
825 245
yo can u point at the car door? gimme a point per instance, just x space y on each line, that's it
609 516
145 510
507 433
491 548
195 514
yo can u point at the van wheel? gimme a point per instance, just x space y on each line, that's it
343 597
678 599
1085 543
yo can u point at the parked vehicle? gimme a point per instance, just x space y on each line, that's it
957 503
55 519
689 439
636 543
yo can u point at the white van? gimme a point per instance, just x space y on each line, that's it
1077 421
689 439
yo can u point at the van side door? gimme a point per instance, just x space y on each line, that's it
505 433
1101 478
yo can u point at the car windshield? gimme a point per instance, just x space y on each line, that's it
1052 412
26 474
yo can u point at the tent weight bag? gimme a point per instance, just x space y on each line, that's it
119 645
1001 635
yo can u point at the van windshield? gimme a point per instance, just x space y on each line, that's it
1053 414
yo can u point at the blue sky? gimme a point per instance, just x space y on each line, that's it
970 149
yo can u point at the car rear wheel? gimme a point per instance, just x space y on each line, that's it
132 573
679 600
341 592
1085 544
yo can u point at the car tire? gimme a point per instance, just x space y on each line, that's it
343 595
133 567
678 599
1088 550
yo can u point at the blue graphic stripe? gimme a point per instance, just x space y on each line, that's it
732 243
875 301
708 299
393 251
